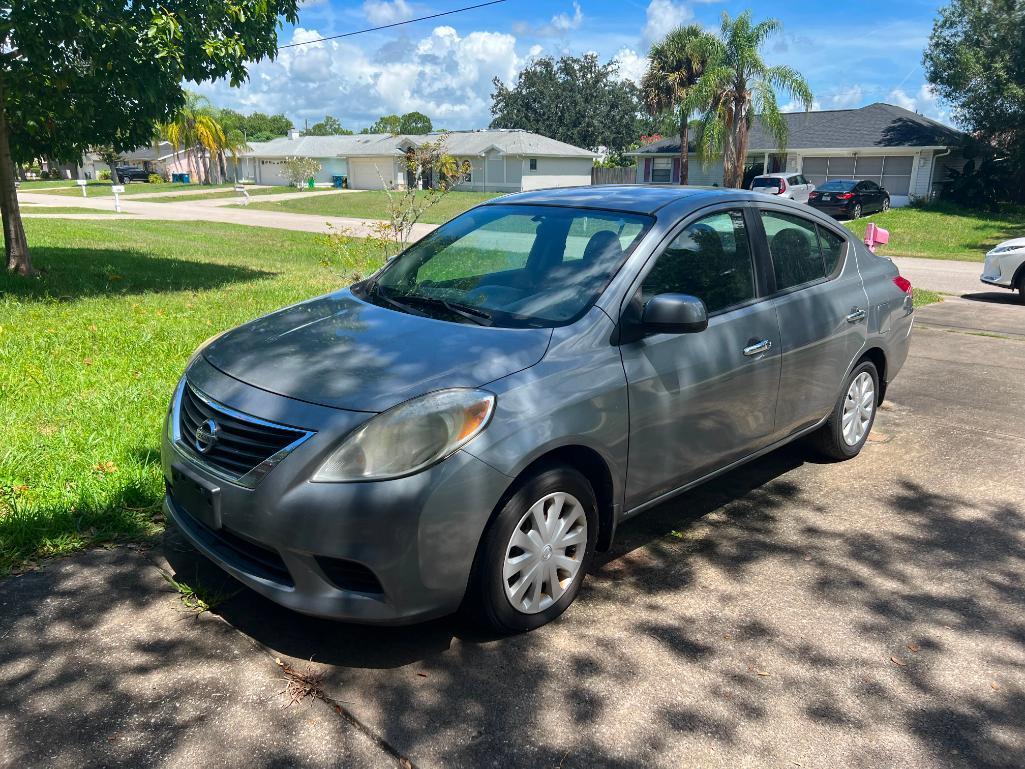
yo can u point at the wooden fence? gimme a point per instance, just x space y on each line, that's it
617 175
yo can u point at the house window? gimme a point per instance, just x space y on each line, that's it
533 164
661 170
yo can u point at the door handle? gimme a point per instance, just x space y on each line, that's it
856 314
758 348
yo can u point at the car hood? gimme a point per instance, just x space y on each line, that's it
340 351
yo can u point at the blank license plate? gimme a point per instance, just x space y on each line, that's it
827 197
200 500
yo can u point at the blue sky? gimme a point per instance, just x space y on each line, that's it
851 53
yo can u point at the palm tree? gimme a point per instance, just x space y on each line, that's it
737 85
196 130
675 64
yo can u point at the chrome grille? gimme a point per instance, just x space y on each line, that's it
245 448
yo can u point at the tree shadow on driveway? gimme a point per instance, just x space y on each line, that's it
789 611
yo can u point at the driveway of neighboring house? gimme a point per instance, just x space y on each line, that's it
792 613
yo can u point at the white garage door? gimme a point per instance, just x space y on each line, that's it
272 172
891 171
364 173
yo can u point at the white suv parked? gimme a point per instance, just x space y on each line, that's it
1005 266
793 186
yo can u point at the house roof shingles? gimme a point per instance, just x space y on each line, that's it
876 125
460 143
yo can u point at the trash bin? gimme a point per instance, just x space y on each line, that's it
337 181
186 179
311 183
175 178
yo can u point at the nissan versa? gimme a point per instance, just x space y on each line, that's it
467 426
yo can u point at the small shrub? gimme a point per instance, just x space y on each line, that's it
155 179
299 169
104 176
356 257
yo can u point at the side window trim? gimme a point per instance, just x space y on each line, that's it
763 242
746 208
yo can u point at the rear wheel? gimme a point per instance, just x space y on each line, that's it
856 211
886 205
845 432
533 557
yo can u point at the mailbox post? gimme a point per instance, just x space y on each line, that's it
243 192
82 183
117 189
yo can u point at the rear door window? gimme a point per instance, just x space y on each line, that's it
794 248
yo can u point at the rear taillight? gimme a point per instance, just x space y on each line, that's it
782 186
903 284
845 196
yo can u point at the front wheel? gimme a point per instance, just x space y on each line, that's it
845 432
886 205
534 555
1021 287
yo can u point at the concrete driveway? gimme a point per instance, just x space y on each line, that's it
790 614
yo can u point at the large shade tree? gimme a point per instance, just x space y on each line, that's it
976 62
736 85
675 64
577 100
82 73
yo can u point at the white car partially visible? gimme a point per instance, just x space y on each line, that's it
792 186
1005 266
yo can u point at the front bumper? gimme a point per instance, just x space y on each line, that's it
387 552
994 274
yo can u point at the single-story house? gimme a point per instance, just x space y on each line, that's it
905 152
163 159
501 160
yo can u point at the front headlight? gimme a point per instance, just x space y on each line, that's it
410 437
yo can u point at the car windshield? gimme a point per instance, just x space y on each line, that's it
510 265
765 182
837 185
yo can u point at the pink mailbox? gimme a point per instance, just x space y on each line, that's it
876 236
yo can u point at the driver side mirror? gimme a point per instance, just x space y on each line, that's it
674 314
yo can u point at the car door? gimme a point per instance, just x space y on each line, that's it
800 192
822 308
699 401
877 195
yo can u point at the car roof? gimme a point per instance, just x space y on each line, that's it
778 175
631 198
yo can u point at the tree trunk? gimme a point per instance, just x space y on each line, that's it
684 148
114 178
15 243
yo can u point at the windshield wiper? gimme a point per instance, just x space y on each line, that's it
474 314
374 290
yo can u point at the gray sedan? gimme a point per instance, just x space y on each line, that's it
467 426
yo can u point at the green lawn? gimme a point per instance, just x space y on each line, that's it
943 231
373 204
90 352
135 188
29 208
223 195
70 183
923 297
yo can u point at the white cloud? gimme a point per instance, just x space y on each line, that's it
796 106
900 97
387 11
443 74
661 16
847 96
559 25
632 65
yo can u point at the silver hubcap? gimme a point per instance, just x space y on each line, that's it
545 552
858 408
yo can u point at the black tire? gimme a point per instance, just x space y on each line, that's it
886 205
488 599
856 211
829 439
1021 287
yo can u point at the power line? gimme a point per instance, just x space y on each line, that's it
389 26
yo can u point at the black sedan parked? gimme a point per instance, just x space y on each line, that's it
132 174
849 197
